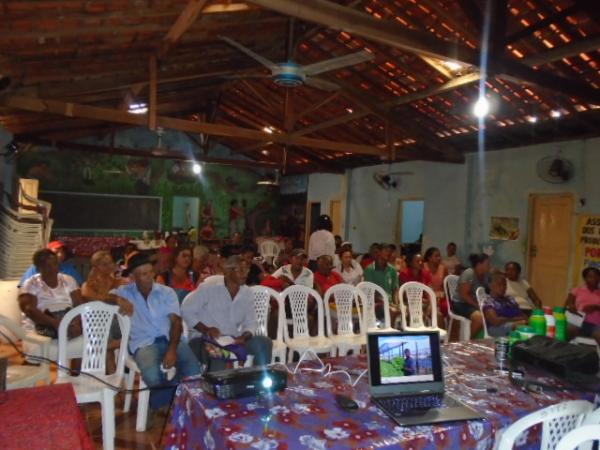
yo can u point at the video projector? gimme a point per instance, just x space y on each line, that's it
244 382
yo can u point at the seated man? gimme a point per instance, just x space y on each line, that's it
502 313
47 296
295 272
64 266
227 312
325 276
155 331
519 288
384 275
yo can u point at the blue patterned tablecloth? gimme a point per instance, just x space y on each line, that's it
306 416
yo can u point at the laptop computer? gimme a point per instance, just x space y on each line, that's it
406 379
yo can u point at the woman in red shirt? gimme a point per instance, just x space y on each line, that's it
415 271
181 277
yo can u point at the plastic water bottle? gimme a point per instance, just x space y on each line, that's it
550 322
561 323
538 322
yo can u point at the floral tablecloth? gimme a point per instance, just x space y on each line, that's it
45 417
306 416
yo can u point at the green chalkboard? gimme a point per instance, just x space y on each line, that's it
83 211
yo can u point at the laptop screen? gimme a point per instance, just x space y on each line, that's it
409 360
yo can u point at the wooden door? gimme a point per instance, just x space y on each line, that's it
335 212
550 246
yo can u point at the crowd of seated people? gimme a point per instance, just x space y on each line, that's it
163 289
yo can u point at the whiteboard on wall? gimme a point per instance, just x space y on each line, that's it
74 211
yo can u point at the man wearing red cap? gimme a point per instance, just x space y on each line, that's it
60 250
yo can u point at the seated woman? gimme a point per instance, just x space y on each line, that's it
351 271
519 288
101 280
47 296
181 278
502 312
464 300
437 271
325 276
585 300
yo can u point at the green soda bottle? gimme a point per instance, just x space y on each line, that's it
538 322
561 323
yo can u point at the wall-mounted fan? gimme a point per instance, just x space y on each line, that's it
555 169
290 74
389 180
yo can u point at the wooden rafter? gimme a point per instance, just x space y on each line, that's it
118 116
390 33
185 20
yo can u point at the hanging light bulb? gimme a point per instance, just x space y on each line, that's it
481 107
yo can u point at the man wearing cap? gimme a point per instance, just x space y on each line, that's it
295 272
60 250
225 313
156 329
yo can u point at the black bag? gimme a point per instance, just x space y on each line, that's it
559 358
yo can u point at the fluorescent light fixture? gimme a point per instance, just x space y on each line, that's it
265 152
555 114
532 119
268 130
481 107
350 110
196 168
138 108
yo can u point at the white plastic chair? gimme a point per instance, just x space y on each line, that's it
369 319
573 440
269 249
557 420
481 298
96 318
413 291
450 286
262 302
25 376
302 340
345 296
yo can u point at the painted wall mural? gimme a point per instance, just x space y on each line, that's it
215 188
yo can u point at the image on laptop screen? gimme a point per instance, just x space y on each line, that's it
405 359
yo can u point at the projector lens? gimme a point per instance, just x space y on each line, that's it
267 382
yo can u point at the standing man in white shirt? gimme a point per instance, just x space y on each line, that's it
321 242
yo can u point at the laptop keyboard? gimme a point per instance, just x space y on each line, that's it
398 406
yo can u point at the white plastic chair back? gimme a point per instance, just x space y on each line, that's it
574 439
96 319
345 297
262 305
413 291
450 286
481 298
369 290
557 421
269 249
298 299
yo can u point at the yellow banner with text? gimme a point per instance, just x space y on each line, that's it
587 250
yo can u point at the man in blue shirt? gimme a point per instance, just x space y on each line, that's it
60 250
156 329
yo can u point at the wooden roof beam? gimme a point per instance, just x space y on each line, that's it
422 43
185 20
118 116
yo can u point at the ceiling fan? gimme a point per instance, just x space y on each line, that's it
290 74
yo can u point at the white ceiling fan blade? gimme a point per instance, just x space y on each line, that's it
248 76
264 61
337 63
322 84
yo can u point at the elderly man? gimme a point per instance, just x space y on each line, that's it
64 266
223 316
155 331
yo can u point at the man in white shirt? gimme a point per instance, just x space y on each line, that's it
519 289
321 242
295 272
452 262
227 310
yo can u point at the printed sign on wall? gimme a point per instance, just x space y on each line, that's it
587 251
